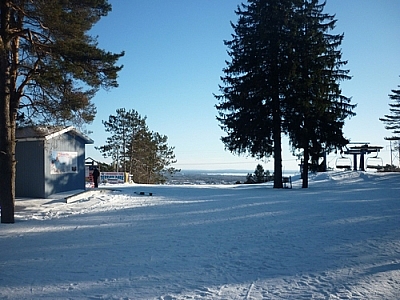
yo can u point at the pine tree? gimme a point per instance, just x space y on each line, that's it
124 127
164 157
392 121
50 68
137 150
139 155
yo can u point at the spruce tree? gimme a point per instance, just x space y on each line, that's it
259 174
283 78
250 103
392 120
316 110
50 68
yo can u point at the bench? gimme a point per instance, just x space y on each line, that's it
287 182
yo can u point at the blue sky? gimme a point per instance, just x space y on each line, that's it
174 56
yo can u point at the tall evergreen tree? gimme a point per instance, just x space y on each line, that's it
283 78
316 109
392 120
50 68
255 81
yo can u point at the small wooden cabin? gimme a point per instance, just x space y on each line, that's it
50 160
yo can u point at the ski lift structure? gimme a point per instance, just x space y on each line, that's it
375 162
394 149
343 162
362 150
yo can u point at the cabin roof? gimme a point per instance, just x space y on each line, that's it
44 133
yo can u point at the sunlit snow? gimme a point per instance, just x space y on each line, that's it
339 239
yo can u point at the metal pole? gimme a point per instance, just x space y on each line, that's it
391 154
398 147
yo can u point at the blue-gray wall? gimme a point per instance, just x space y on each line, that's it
34 178
56 183
29 181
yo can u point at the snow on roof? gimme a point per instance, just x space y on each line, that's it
34 133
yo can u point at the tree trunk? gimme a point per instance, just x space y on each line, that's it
278 162
305 169
7 118
7 147
7 182
277 145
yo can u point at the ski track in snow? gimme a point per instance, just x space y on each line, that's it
339 239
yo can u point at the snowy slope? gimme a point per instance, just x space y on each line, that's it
339 239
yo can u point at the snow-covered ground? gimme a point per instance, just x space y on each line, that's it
339 239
